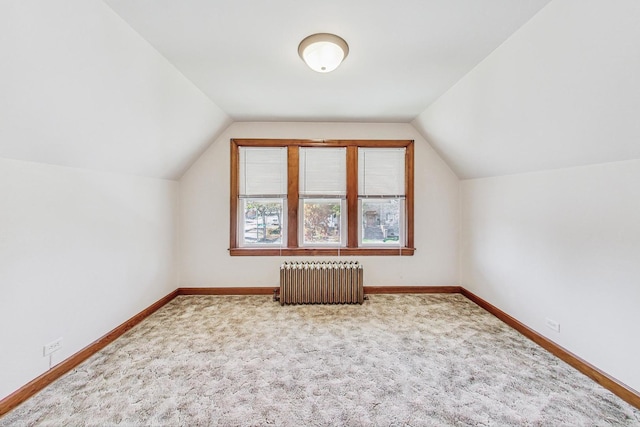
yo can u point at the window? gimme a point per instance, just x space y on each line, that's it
301 197
381 196
322 222
322 195
262 195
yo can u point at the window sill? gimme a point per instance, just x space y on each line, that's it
321 252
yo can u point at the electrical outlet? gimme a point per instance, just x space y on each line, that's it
552 324
52 346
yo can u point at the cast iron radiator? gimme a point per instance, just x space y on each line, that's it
327 282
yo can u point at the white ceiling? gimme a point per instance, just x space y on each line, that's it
403 55
80 88
493 88
563 91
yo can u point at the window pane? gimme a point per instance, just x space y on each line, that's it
381 221
262 221
381 171
323 171
263 171
322 221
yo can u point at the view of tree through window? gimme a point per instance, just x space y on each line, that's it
321 221
262 221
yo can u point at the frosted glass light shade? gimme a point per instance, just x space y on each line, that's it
323 52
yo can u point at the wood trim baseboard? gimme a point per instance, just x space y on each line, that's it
367 290
37 384
618 388
227 291
412 289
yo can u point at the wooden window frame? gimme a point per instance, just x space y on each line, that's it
292 248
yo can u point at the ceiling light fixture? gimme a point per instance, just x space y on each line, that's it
323 52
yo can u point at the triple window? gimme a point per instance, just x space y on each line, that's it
292 197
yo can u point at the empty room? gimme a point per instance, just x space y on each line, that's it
358 213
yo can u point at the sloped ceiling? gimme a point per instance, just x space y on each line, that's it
80 88
563 91
403 55
143 87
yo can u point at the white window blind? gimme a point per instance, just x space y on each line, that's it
323 172
263 171
381 171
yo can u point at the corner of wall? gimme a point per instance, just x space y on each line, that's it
178 247
460 233
224 126
423 133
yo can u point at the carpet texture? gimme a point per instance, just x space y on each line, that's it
419 360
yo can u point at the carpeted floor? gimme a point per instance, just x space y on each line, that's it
419 360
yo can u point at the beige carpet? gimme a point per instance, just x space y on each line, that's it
419 360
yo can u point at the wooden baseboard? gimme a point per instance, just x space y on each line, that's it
227 291
37 384
616 387
412 289
367 290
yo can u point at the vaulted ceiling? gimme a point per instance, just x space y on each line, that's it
495 86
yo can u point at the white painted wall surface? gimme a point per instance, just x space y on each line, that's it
564 245
204 213
80 253
80 88
562 91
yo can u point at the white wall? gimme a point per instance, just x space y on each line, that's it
80 253
564 245
79 87
562 93
204 213
83 251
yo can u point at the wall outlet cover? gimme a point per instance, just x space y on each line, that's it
552 324
53 346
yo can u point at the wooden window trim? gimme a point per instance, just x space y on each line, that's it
293 194
292 248
352 197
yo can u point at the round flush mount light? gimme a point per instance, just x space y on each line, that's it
323 52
